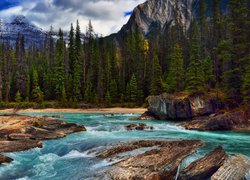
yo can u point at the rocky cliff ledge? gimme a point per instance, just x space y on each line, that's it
20 133
171 107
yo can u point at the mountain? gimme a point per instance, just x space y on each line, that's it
20 24
33 35
155 15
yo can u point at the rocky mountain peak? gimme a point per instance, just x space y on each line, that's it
20 19
159 14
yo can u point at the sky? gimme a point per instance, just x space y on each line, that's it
107 16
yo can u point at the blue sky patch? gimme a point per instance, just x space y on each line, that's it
128 13
5 4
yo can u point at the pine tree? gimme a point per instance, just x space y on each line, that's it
175 80
88 89
21 80
208 72
156 81
71 48
77 64
133 89
59 74
37 94
108 98
239 47
18 97
113 91
72 59
246 85
63 95
195 75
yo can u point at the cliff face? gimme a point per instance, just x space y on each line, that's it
157 15
166 106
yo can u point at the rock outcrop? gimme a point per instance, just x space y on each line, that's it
167 107
20 133
138 127
236 121
205 167
159 162
236 167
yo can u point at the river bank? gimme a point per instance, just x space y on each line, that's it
116 110
20 133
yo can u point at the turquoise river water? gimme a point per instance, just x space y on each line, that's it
69 158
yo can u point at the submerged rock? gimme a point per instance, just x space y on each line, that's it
138 127
236 167
5 159
161 162
237 121
205 167
166 106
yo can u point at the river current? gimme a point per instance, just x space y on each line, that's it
71 157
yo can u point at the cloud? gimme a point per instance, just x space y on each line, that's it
107 16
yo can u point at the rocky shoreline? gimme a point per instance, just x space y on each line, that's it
196 112
20 133
153 159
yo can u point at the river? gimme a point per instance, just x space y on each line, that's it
70 157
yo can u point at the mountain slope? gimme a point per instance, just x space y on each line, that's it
33 35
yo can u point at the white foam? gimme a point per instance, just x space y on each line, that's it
23 178
167 127
51 157
76 154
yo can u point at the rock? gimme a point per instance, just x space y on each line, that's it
200 105
161 162
139 127
237 121
5 159
20 133
236 167
170 107
145 116
20 145
19 136
153 16
205 167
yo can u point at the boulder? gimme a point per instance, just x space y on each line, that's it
5 159
169 107
205 167
145 116
236 167
237 121
138 127
160 162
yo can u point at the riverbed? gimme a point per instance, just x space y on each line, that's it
72 158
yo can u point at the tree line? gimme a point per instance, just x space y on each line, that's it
213 54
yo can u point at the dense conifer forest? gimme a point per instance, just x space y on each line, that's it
213 56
